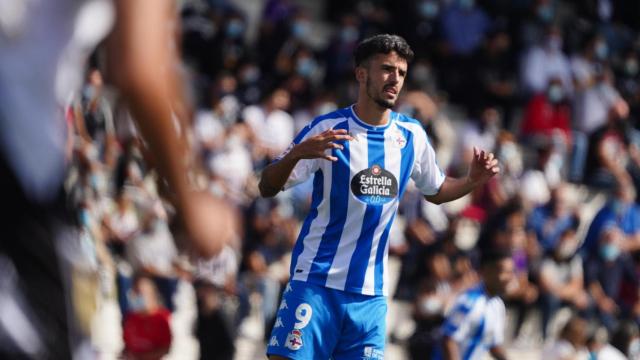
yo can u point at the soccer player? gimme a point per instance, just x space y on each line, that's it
476 321
361 158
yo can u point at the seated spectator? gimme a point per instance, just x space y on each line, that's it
548 115
271 125
570 345
605 274
600 348
561 279
613 156
215 283
146 327
592 104
546 61
619 211
548 222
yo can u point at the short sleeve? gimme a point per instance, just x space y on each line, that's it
305 167
426 174
497 335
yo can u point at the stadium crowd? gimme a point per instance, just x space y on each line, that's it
551 87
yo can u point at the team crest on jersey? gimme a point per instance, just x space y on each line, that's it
374 186
294 340
398 140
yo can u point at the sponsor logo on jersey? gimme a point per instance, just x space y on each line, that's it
371 353
374 186
278 323
283 305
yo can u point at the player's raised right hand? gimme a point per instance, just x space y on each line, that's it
315 147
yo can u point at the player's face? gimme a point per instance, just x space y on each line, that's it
384 77
499 275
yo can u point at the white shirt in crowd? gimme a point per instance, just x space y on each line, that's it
218 269
274 130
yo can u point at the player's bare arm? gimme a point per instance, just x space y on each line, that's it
483 167
276 174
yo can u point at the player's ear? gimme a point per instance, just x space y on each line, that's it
361 73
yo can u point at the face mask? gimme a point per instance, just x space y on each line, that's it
467 4
136 303
545 13
431 306
90 92
555 93
634 349
306 67
235 29
250 75
609 252
300 29
631 67
601 50
567 249
349 34
85 218
429 9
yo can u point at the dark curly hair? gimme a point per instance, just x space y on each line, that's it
382 44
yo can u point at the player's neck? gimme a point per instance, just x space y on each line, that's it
371 113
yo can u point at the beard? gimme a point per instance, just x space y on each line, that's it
373 95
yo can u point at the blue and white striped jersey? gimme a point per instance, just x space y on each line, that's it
476 323
343 243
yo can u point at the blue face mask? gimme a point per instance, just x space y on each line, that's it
467 4
545 13
235 29
429 9
609 252
84 217
601 50
306 67
555 93
136 303
300 29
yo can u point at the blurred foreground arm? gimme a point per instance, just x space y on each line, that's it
140 50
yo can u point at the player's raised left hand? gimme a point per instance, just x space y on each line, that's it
483 166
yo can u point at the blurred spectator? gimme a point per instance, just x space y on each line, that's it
495 69
464 25
627 339
215 282
570 345
600 348
548 115
561 279
604 277
614 156
271 125
593 104
619 211
95 121
146 330
549 222
628 83
476 321
545 61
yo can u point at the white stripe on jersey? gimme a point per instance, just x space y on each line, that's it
358 158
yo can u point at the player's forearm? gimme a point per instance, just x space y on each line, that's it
275 175
498 353
144 81
450 349
452 189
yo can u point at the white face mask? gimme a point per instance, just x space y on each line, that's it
567 249
431 305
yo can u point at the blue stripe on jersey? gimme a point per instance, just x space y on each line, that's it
360 258
379 264
316 198
475 341
406 162
338 202
330 116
